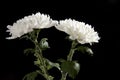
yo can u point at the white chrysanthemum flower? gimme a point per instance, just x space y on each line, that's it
28 23
79 31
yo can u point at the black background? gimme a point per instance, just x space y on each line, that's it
102 15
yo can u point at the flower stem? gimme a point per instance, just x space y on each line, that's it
69 58
42 61
70 55
64 75
38 54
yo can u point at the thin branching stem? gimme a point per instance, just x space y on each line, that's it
38 52
69 58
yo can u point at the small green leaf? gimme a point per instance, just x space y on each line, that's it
37 62
50 65
30 76
39 72
51 77
61 60
89 51
72 68
85 49
44 44
24 37
29 50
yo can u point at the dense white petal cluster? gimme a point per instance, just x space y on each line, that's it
28 23
79 31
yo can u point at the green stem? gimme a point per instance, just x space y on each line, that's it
33 37
64 74
69 58
41 58
70 55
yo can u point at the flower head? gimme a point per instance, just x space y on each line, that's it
28 23
79 31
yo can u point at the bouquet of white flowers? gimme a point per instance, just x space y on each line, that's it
29 27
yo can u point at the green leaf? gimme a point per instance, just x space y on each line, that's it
85 49
24 37
37 62
72 68
29 50
89 51
51 77
40 72
30 76
50 65
44 44
61 60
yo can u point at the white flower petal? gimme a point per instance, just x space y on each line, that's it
79 31
28 23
